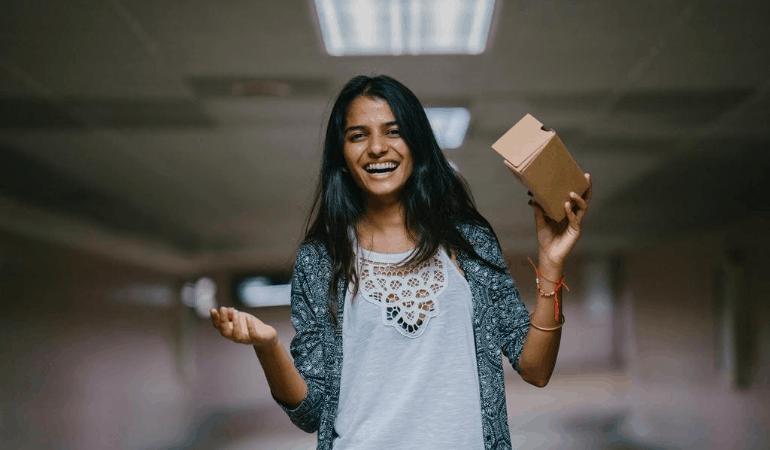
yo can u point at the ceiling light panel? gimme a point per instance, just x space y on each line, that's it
449 125
259 291
412 27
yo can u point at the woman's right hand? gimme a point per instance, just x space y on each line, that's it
243 328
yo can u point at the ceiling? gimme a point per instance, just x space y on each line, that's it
119 133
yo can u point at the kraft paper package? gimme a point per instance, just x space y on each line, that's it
543 164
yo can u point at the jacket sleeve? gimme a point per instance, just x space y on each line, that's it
308 315
514 319
512 316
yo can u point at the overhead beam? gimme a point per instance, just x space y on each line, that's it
36 223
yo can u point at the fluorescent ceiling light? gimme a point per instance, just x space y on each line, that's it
449 125
395 27
259 291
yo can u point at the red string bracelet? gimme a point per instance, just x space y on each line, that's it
554 294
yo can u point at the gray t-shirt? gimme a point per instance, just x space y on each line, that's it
409 374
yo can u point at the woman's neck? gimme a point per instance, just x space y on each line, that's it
383 229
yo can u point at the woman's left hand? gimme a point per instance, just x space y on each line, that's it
557 239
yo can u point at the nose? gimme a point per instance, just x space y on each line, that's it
377 144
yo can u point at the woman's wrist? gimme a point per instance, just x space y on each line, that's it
267 346
550 270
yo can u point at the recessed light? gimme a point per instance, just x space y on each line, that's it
396 27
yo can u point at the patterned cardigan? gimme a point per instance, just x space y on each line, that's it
500 324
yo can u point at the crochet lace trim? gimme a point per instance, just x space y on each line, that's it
407 296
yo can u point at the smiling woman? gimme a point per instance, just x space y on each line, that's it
412 359
377 157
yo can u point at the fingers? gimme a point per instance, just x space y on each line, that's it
244 323
239 328
572 218
223 317
252 327
576 217
589 192
578 200
581 204
223 324
242 327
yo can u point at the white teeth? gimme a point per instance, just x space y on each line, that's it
380 166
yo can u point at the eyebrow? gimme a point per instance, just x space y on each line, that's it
362 127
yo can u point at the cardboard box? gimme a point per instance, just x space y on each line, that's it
540 161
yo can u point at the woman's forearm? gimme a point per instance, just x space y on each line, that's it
285 381
538 357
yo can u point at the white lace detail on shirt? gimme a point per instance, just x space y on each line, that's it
407 296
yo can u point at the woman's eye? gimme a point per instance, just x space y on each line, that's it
355 137
395 132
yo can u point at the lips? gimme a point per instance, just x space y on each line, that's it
381 168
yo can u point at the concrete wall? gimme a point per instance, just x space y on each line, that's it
682 393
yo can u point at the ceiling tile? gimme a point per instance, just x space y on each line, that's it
28 113
83 49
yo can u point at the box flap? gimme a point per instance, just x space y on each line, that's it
522 141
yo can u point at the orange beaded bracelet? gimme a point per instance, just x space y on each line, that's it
554 293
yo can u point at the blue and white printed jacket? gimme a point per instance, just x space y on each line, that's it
500 325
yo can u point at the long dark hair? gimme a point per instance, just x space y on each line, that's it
435 197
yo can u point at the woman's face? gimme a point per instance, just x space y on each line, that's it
377 157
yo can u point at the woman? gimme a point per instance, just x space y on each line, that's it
399 273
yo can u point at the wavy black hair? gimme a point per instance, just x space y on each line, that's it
435 197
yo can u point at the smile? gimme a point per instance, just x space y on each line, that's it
381 168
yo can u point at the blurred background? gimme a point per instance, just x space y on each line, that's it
159 157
